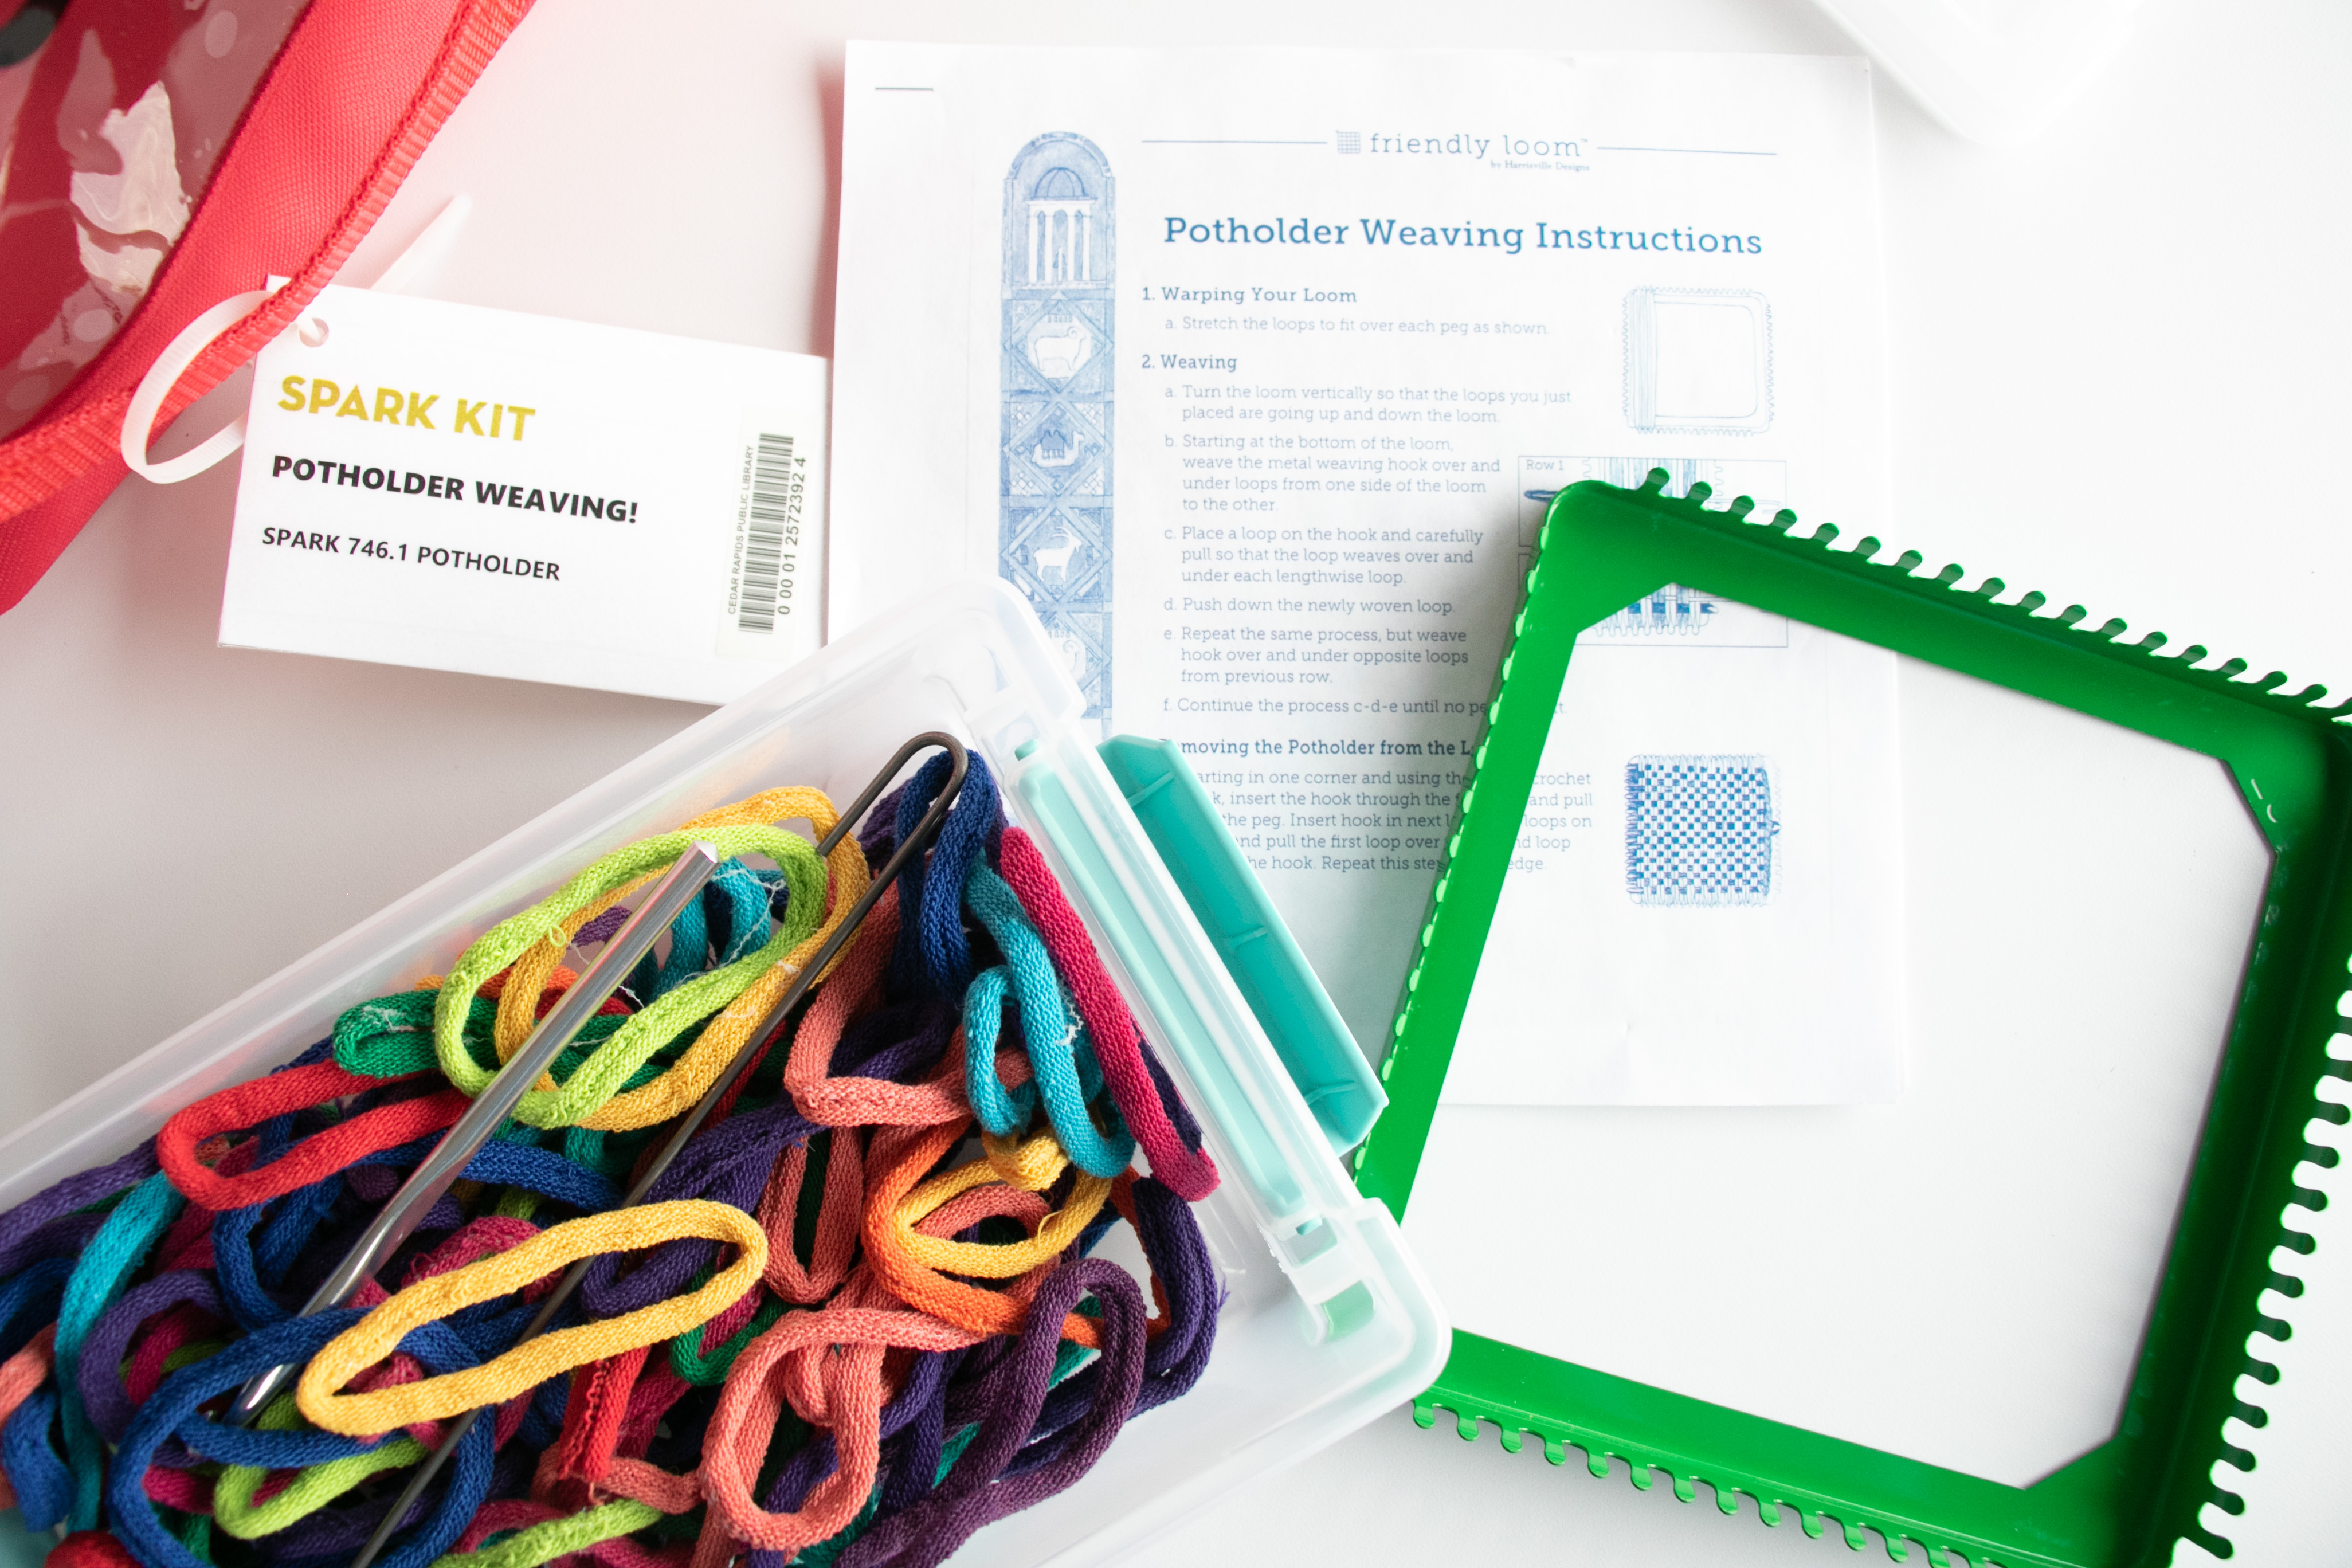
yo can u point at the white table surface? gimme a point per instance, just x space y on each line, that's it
2118 369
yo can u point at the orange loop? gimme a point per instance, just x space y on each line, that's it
748 1405
852 1101
895 1163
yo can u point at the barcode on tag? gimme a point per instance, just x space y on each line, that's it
768 524
770 609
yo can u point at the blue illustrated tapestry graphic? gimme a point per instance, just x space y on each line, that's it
1699 830
1054 539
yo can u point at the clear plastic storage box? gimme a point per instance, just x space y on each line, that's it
1328 1322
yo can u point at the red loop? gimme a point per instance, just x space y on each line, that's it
582 1454
91 1549
313 1159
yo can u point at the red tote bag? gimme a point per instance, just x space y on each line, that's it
162 158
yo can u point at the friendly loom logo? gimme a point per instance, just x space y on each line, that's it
1504 149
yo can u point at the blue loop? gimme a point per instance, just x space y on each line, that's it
173 1411
245 1271
740 901
729 920
34 1290
44 1487
689 950
250 1302
934 954
546 1172
287 1231
1048 1027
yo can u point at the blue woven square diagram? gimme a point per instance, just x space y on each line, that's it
1699 830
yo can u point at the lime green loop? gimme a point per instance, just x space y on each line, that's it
557 1537
189 1354
311 1489
607 1069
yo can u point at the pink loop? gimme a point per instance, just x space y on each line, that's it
1189 1173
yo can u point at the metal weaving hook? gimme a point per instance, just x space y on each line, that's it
903 855
440 1169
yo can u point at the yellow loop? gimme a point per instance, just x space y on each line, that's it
516 1017
990 1260
1033 1166
848 875
608 1067
527 1365
519 1003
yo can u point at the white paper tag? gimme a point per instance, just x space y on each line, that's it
466 489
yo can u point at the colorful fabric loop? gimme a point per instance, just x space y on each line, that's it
1061 1059
624 1230
830 1334
596 1080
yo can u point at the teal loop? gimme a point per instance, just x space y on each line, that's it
121 1245
1002 1110
746 898
1060 1053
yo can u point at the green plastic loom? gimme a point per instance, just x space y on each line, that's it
2127 1502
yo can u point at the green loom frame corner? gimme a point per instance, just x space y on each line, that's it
2124 1504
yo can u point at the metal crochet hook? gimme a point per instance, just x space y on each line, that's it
901 859
432 1178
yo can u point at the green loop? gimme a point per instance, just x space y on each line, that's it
390 1037
311 1489
710 1371
556 1538
607 1069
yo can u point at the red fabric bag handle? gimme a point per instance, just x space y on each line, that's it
343 115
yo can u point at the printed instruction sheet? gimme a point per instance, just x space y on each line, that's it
1253 370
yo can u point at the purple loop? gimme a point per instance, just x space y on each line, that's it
99 1370
913 1455
728 1163
921 1394
20 1227
899 1042
1179 1113
973 1494
1170 1233
1173 1359
59 1238
1026 1438
603 928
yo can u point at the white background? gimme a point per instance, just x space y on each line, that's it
2117 373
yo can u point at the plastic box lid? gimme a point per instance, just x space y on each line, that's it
1250 936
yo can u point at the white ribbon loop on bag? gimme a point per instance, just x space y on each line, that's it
410 267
